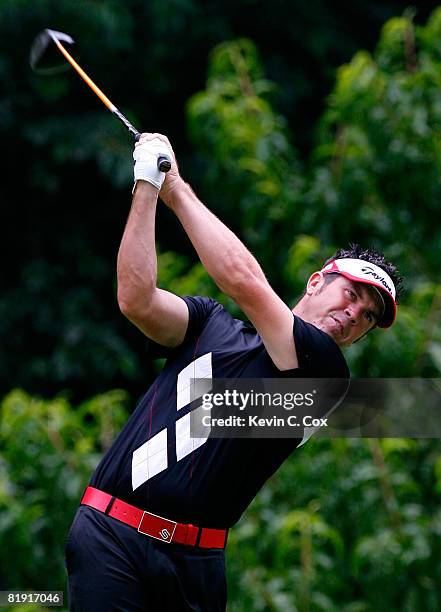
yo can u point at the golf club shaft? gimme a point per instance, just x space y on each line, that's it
163 162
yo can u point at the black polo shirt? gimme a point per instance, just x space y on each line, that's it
154 464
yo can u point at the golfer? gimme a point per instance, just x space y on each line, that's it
152 525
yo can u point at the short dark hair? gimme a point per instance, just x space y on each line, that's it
355 251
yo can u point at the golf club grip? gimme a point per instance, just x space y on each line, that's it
164 162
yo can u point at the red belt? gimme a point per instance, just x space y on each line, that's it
152 525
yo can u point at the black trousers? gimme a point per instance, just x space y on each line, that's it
111 567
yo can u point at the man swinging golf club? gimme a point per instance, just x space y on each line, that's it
152 526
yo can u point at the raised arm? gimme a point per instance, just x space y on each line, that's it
234 269
160 315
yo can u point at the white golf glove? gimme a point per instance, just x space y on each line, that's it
146 162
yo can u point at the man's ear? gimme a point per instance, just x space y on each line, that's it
315 283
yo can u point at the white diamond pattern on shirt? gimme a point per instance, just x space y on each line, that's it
199 368
151 457
185 444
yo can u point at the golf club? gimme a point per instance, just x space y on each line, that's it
45 59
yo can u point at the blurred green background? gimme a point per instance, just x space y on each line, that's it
304 126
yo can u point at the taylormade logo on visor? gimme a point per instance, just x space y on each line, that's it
368 270
360 270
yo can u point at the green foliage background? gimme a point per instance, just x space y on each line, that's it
345 524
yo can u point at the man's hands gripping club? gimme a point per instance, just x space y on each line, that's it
147 151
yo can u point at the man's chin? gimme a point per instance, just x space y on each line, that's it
336 336
342 342
332 328
329 329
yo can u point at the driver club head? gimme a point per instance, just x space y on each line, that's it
45 57
49 48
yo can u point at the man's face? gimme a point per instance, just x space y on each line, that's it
344 309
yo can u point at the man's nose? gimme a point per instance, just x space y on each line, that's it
352 312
